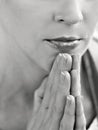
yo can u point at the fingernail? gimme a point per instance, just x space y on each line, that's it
70 100
62 76
66 62
65 79
70 105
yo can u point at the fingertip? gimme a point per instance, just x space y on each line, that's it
70 98
66 61
70 106
68 119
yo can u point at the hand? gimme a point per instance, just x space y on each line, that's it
74 118
50 98
52 111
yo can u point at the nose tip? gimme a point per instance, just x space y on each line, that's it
69 14
69 19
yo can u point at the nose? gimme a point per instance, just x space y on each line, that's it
68 12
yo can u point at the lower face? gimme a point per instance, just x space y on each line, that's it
29 22
32 21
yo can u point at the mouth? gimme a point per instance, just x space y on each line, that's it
65 44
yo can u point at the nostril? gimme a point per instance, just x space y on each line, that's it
73 19
69 16
59 18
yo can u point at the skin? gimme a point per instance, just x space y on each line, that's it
57 92
25 59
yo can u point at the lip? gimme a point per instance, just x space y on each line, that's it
65 44
65 39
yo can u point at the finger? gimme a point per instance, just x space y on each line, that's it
75 75
62 62
66 62
63 90
57 105
75 83
61 87
76 62
38 95
49 83
80 117
61 83
68 119
62 77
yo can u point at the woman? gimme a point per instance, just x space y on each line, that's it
41 45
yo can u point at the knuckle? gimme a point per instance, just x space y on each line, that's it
64 84
58 110
38 93
84 123
81 125
69 114
81 128
66 125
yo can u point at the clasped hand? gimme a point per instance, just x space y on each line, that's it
57 102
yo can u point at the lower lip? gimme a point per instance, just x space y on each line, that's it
65 47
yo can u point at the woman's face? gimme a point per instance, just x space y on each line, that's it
67 24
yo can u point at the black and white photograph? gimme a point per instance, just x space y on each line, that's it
48 64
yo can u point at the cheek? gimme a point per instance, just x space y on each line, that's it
90 12
32 21
33 18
